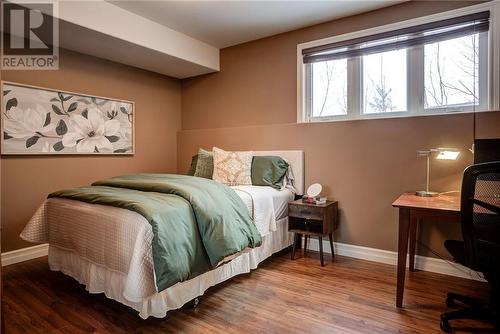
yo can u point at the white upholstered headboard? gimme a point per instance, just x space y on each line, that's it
296 160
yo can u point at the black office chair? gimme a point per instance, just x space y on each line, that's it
480 250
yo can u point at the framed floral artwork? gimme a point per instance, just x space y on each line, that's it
39 120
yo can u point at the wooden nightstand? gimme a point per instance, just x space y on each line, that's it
312 220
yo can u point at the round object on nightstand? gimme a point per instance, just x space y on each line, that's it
314 190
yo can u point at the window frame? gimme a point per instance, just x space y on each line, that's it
488 75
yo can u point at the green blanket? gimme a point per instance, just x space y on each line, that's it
196 222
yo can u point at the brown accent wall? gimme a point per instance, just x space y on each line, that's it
26 181
251 105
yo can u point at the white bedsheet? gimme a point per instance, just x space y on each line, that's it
115 238
119 240
99 279
265 204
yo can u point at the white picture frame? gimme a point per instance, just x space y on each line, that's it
44 121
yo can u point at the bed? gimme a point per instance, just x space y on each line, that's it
109 249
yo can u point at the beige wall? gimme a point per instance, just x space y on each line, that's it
251 105
26 181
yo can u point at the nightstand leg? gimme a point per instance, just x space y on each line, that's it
330 236
294 244
305 244
320 239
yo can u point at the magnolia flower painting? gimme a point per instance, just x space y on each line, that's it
44 121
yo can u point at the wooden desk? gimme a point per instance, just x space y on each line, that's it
412 209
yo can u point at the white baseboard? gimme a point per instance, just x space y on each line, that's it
359 252
24 254
383 256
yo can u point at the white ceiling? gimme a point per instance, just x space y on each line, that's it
226 23
100 29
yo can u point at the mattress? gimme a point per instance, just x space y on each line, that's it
117 242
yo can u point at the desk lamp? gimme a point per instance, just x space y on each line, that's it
441 154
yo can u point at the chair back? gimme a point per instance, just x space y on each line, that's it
480 216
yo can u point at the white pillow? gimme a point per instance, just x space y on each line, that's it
232 168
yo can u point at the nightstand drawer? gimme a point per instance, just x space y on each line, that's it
305 225
308 212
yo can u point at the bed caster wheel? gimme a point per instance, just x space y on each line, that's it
450 302
196 301
445 326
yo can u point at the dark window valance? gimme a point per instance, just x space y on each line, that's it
401 38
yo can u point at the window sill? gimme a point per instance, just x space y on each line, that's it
347 118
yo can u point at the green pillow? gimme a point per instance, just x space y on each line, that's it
192 168
205 164
268 171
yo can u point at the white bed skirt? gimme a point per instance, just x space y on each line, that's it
99 279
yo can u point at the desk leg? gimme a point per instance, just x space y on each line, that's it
413 240
404 226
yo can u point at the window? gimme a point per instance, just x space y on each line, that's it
329 95
451 73
384 82
418 69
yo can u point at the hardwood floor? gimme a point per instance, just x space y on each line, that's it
282 296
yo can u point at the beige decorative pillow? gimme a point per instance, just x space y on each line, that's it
232 168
